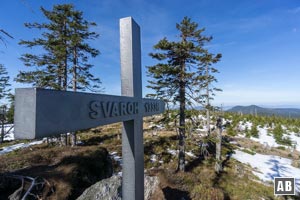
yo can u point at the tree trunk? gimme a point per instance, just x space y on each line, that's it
73 139
218 166
75 69
65 71
73 134
63 139
2 132
59 75
207 105
181 155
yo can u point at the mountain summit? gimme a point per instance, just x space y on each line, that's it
253 109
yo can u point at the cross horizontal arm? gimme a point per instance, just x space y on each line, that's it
42 113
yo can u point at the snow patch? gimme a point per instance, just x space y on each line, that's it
269 166
265 139
11 148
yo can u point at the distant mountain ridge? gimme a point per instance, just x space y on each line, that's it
253 109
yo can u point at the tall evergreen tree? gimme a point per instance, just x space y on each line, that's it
64 40
178 75
4 87
4 92
64 64
208 79
11 111
80 51
4 83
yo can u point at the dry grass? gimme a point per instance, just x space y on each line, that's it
259 148
71 170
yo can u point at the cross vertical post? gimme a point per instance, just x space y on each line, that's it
132 132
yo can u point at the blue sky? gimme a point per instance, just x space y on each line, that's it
259 41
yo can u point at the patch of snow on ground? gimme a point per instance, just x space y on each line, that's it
242 126
204 129
18 146
269 140
153 158
190 154
269 166
264 138
173 152
115 157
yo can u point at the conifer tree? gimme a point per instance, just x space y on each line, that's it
178 76
208 79
4 92
4 86
4 83
65 32
64 64
80 50
11 110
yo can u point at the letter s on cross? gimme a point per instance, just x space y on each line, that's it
94 108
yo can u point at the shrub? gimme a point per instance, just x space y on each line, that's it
296 130
230 131
281 147
254 131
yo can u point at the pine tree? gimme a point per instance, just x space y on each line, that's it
208 79
66 52
80 52
4 83
4 92
11 110
254 131
65 33
178 75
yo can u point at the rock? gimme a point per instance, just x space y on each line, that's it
151 185
111 189
107 189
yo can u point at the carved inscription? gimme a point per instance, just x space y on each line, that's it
106 109
151 107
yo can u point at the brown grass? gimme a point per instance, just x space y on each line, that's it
71 170
259 148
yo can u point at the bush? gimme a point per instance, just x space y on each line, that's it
278 133
230 131
254 131
285 141
281 147
296 130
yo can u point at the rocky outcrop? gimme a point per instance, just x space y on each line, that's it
111 189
